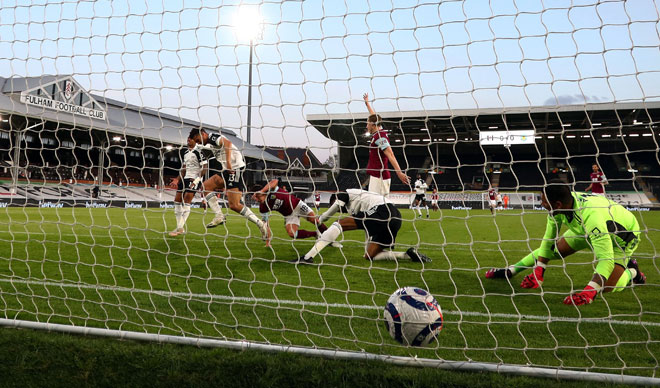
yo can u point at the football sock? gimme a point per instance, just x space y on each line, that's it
525 263
390 255
178 209
247 213
625 279
304 234
184 216
212 201
322 228
328 237
529 261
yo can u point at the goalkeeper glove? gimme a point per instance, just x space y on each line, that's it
586 296
534 279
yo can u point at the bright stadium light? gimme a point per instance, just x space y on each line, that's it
116 138
169 147
248 23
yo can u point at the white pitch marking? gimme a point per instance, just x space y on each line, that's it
302 303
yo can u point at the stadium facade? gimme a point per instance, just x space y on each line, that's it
57 141
466 150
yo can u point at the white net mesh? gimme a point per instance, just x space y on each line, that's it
98 98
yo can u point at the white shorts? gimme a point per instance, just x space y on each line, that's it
302 210
317 204
379 185
434 203
492 202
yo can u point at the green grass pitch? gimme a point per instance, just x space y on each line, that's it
118 269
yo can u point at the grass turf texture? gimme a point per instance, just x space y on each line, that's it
118 269
38 359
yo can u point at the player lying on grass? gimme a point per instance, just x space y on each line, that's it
230 178
192 171
594 222
373 213
271 198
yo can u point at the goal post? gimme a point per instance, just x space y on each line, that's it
98 103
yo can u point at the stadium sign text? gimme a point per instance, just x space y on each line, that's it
507 138
49 204
62 106
96 205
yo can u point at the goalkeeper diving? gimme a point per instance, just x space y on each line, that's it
594 222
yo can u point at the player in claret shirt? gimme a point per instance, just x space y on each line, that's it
373 213
594 222
230 179
271 198
598 181
493 202
435 197
317 200
380 155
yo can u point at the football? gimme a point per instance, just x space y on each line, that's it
413 316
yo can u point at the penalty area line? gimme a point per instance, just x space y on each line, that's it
301 303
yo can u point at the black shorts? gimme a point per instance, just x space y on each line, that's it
187 185
420 197
380 224
233 179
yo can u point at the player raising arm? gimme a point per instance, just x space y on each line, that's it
229 179
380 155
270 198
594 222
193 169
374 214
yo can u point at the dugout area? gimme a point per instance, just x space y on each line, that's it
444 145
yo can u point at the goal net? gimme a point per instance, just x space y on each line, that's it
97 101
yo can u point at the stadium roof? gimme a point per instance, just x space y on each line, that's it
115 117
348 128
301 158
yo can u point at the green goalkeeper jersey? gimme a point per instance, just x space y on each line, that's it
610 229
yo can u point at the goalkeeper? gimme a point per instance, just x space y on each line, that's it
193 169
594 222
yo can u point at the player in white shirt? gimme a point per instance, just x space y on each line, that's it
193 169
371 212
230 178
420 196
